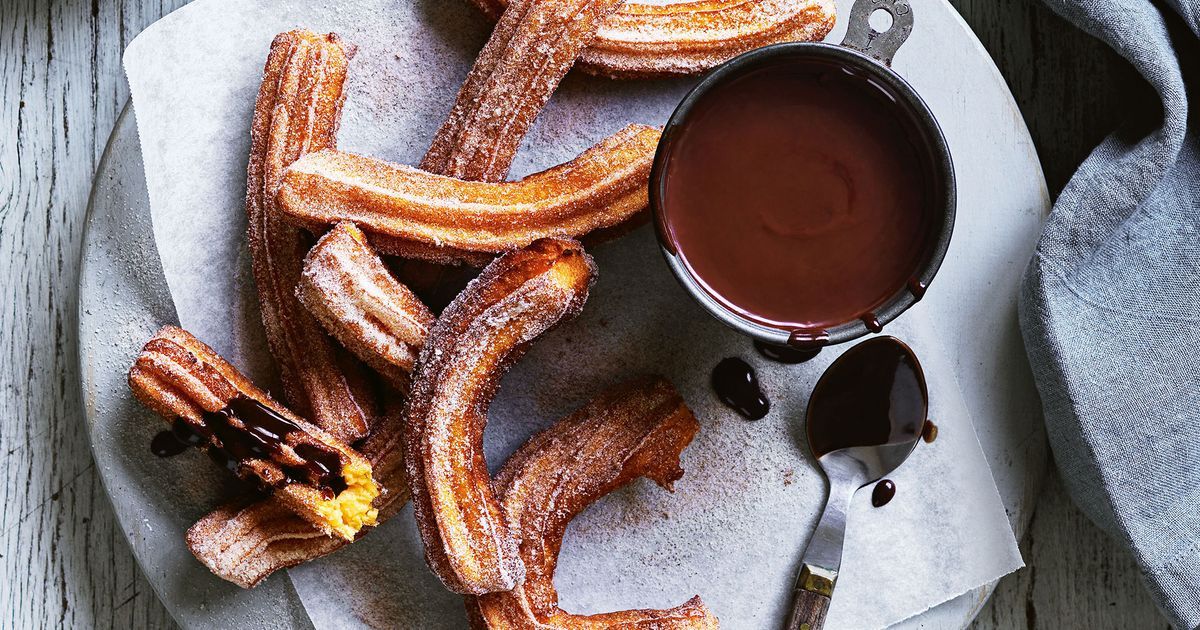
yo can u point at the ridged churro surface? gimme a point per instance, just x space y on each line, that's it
213 406
247 540
446 219
347 288
640 40
534 44
297 111
521 295
636 429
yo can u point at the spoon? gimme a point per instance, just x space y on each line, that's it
864 418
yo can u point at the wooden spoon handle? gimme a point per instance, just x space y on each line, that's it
808 610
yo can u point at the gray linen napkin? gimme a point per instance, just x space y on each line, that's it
1110 311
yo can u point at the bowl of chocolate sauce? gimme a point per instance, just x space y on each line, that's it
803 192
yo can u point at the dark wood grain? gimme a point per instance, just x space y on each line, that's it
808 611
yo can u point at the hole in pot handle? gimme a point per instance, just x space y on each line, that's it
862 37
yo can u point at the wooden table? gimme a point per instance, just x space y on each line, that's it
64 561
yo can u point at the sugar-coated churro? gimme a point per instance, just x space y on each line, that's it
213 406
420 215
298 110
468 544
636 429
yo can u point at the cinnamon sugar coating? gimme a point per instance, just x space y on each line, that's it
347 288
519 296
636 429
247 540
184 380
534 44
410 212
655 40
298 110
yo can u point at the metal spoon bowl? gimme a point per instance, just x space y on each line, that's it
865 417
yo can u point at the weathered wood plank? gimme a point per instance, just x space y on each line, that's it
1076 578
65 562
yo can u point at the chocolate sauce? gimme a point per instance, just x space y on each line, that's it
737 386
164 444
929 432
176 440
917 288
871 322
808 339
786 354
874 394
800 195
883 493
246 429
222 460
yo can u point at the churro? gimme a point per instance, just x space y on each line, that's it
247 540
298 110
534 44
346 287
641 40
214 407
636 429
519 296
420 215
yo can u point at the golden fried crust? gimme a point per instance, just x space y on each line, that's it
656 40
347 288
183 379
636 429
246 541
298 110
534 44
448 219
515 299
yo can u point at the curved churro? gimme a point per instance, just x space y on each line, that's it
534 44
447 219
655 40
349 291
213 406
636 429
298 110
518 297
247 540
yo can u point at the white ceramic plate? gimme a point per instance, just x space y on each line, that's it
1002 199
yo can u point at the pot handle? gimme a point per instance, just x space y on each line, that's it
881 47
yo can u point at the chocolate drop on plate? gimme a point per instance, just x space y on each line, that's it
883 493
736 385
800 194
929 433
872 395
165 444
184 432
786 354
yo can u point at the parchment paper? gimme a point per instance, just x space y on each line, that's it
736 525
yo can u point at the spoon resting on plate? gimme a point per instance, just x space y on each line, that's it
865 416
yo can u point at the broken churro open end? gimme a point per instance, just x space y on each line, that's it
352 509
212 406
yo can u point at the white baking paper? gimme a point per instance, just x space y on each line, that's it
736 525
